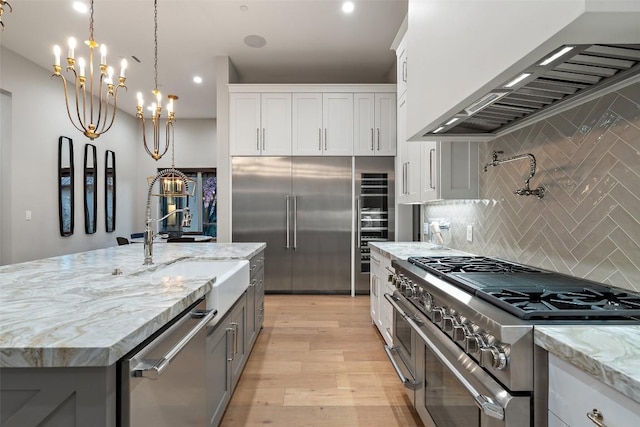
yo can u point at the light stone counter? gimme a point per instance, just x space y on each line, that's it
404 250
611 354
71 311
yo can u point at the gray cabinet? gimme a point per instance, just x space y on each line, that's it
255 299
227 354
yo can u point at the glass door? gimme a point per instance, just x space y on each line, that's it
373 214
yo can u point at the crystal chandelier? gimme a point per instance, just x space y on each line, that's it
156 107
4 3
92 120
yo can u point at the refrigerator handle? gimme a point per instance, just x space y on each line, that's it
358 237
295 222
288 200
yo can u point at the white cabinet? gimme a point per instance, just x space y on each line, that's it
408 181
322 124
260 124
374 124
573 394
401 66
381 310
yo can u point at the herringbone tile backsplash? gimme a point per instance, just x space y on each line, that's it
588 223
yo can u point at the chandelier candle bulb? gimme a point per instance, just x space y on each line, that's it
123 66
56 54
72 46
81 63
103 54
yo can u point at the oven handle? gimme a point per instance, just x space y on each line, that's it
487 404
408 383
154 371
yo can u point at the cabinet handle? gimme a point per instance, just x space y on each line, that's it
404 71
258 139
408 180
404 178
431 168
319 139
264 141
325 139
229 332
252 284
371 139
378 129
235 338
597 418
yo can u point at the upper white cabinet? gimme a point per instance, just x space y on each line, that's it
322 124
260 124
402 66
374 124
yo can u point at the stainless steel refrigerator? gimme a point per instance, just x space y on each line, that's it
302 208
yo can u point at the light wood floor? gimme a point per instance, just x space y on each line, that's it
319 362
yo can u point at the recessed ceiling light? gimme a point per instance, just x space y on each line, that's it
255 41
348 6
244 8
79 6
197 79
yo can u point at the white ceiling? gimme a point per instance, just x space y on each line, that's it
308 41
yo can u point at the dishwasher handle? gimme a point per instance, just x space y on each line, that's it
154 371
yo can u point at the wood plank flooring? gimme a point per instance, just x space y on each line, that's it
319 362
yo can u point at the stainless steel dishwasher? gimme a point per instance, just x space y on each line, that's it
162 381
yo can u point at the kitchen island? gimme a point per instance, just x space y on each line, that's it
67 320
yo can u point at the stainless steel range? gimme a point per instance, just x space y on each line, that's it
463 335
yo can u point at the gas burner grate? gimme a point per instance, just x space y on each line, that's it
468 264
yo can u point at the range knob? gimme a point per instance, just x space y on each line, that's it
459 333
437 314
427 301
473 343
448 323
493 357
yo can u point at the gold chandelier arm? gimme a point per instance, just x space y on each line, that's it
168 127
66 100
144 138
114 95
100 100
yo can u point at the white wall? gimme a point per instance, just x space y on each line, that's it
38 118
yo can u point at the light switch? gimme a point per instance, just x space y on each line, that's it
27 215
469 233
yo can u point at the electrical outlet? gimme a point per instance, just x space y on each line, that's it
425 227
469 233
27 215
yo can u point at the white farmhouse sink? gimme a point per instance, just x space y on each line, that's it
232 278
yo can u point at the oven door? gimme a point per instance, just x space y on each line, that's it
456 391
403 354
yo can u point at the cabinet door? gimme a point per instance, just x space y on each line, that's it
414 170
219 346
401 67
457 173
364 124
429 171
276 124
250 329
385 124
403 153
307 124
244 124
238 321
337 120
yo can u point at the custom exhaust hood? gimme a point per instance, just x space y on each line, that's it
565 75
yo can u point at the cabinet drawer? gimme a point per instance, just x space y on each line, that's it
574 393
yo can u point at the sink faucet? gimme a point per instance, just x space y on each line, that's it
525 191
148 232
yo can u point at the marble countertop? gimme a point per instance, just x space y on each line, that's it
404 250
72 311
611 354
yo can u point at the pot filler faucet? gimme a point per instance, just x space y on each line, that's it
526 191
148 232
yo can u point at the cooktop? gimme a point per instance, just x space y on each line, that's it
531 293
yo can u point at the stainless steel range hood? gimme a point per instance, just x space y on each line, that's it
564 77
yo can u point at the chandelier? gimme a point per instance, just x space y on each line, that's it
4 3
92 120
156 107
173 182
